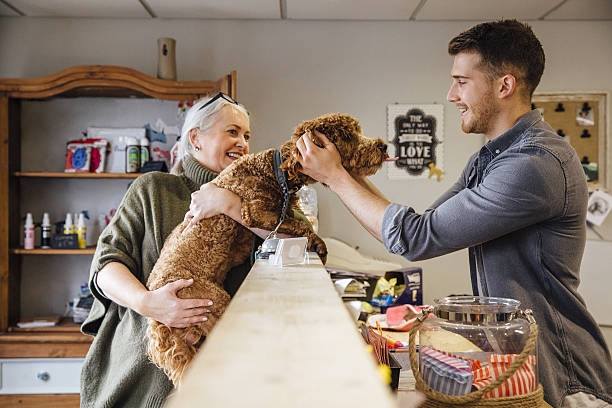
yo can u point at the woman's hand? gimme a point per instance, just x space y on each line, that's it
322 164
208 201
164 306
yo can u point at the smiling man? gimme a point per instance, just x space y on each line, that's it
519 206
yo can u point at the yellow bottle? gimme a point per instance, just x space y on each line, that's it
81 230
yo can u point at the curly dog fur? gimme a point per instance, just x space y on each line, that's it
210 249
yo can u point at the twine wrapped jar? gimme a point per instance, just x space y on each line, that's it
476 351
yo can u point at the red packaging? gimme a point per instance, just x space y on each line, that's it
78 157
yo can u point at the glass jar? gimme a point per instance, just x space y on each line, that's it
467 342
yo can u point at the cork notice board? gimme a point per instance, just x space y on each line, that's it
582 119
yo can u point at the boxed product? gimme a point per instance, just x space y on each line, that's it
78 157
116 149
86 155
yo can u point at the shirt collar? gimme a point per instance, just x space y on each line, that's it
195 172
506 139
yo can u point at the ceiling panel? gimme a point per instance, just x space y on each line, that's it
485 9
81 8
583 10
350 9
216 9
7 11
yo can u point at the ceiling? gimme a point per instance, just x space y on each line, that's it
415 10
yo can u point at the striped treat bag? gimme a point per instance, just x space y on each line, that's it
474 364
521 383
446 374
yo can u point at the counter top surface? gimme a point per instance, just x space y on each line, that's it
285 340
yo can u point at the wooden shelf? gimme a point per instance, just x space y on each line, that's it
40 400
59 174
44 344
66 325
41 251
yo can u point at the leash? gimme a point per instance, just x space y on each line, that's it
269 245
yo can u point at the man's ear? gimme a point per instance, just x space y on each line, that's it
507 86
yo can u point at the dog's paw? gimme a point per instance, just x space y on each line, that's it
318 245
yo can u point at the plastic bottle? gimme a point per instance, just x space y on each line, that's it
307 201
45 232
68 227
132 155
81 230
144 151
28 232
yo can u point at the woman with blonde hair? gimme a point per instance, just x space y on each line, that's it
116 372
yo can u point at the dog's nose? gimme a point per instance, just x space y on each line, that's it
382 146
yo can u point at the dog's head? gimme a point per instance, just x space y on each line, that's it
361 156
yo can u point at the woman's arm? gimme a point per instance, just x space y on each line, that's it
211 200
118 284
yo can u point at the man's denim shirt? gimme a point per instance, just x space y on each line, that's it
520 208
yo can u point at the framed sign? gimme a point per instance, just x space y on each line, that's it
415 134
582 119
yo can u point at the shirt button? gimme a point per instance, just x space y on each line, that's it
496 151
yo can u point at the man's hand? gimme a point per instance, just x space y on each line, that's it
208 201
322 164
164 306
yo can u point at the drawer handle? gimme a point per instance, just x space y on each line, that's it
44 376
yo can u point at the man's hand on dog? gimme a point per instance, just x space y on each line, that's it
164 306
321 163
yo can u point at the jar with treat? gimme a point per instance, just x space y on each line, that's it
476 351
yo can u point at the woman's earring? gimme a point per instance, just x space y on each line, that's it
197 148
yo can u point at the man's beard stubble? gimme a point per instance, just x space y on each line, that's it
482 114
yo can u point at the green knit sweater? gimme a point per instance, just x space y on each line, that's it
117 372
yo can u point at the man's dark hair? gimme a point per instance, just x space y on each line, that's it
505 47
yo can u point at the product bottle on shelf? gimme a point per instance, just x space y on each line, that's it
144 151
132 155
81 230
45 232
28 232
68 227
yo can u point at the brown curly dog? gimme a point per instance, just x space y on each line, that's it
210 249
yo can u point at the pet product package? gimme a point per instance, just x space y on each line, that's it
445 374
78 157
116 150
98 155
85 155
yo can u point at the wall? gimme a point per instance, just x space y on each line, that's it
289 71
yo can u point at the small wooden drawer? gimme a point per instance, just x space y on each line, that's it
40 375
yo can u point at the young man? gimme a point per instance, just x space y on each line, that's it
519 206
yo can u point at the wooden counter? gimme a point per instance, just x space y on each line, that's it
286 340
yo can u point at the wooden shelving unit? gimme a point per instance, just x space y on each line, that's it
51 251
90 81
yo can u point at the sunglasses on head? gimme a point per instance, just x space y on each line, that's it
220 95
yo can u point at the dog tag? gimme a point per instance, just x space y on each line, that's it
268 247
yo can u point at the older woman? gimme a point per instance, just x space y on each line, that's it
116 370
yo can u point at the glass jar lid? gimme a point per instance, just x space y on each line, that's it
476 309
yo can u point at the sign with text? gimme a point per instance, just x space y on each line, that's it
415 133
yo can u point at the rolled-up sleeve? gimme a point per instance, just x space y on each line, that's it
519 189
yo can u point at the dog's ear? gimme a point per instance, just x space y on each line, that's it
290 164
